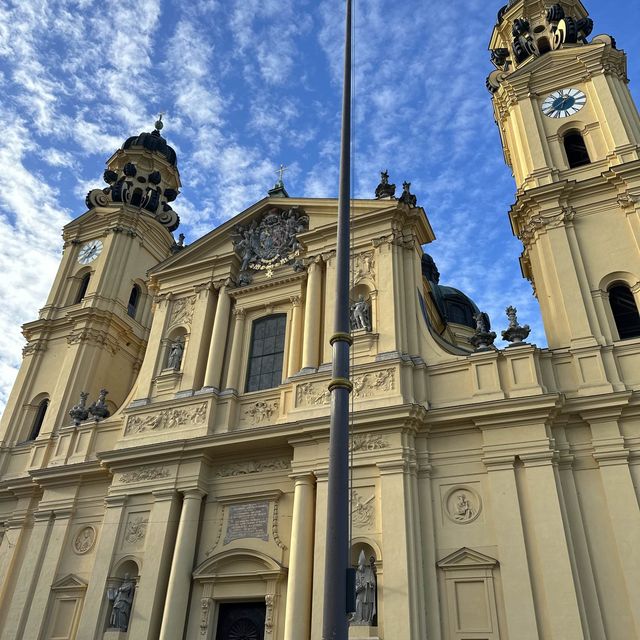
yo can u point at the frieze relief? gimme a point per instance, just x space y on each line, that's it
136 529
261 411
144 473
167 419
182 311
367 442
252 466
363 514
365 385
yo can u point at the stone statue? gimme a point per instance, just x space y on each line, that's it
515 334
99 409
360 315
365 592
79 412
175 355
483 338
384 189
122 598
463 510
407 197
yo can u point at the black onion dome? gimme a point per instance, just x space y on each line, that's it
153 142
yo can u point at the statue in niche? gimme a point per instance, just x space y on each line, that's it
361 314
122 599
175 355
365 592
463 510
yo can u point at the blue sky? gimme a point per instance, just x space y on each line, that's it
246 85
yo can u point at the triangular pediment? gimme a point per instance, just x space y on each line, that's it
466 558
70 581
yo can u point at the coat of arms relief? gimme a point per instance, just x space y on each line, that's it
269 242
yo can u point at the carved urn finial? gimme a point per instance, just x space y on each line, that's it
483 338
99 409
515 334
79 412
407 197
384 189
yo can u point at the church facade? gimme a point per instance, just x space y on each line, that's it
164 451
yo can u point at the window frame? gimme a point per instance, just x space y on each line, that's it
280 332
624 334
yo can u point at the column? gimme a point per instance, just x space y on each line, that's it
514 569
218 341
40 598
561 614
146 615
312 316
235 359
32 561
300 582
322 477
195 357
93 611
295 338
179 588
622 502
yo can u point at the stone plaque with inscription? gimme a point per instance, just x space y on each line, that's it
248 520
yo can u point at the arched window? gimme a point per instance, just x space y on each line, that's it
576 150
134 298
625 311
267 353
82 289
39 419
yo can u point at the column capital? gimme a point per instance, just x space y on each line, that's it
303 477
239 313
296 301
193 493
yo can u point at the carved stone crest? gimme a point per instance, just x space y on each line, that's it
136 530
84 540
269 242
182 311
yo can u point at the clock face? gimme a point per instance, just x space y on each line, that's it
89 251
564 103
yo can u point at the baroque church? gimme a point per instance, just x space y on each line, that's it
164 451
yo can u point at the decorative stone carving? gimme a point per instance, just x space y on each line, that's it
122 599
84 540
182 311
205 609
364 385
364 266
98 409
367 442
462 505
144 473
274 527
34 347
167 419
174 359
136 529
407 197
261 411
363 511
270 601
515 334
269 242
384 189
360 315
245 468
483 338
79 412
366 585
93 336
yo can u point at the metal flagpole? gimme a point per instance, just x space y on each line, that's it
335 624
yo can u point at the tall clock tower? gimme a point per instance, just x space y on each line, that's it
571 134
93 330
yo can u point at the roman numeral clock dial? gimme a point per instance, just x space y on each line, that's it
564 103
89 252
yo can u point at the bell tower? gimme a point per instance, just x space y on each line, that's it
571 135
93 330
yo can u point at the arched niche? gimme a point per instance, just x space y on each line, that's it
126 568
369 294
373 556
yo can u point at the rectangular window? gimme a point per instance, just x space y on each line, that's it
267 353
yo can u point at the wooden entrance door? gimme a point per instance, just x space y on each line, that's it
241 621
